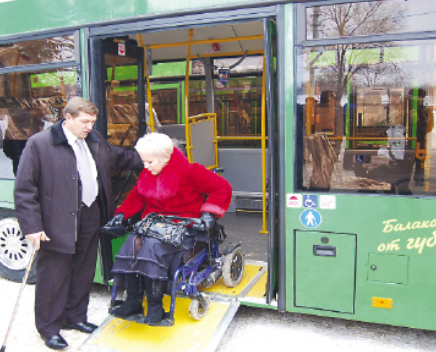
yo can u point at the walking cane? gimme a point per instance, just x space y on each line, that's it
23 284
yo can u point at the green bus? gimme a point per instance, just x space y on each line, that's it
324 114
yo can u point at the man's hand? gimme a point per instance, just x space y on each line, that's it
36 238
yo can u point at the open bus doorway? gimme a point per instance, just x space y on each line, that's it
186 73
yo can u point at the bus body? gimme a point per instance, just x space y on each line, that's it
328 104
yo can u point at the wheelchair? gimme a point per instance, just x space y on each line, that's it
199 269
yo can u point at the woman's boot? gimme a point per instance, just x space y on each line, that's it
135 296
154 290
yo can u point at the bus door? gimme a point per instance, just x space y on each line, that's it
117 89
231 76
225 69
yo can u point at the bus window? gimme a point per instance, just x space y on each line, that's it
367 118
40 51
363 17
29 103
31 100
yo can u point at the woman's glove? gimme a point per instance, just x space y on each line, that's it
208 220
115 227
117 220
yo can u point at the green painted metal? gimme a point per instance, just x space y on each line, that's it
164 69
397 235
45 14
388 269
98 277
324 262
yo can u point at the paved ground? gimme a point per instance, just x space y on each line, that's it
253 329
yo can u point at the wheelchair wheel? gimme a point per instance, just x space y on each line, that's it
199 308
233 267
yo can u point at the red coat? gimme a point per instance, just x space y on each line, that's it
180 189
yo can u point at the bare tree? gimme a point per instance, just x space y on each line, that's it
353 19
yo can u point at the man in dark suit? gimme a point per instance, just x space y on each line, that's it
60 205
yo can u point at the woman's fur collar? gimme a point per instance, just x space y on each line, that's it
166 184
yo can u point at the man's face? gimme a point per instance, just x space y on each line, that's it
80 125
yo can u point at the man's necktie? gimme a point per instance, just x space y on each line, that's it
89 190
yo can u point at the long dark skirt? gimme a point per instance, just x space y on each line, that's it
149 257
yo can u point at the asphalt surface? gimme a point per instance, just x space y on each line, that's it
252 329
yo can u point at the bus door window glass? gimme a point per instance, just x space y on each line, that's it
41 51
122 113
29 103
122 100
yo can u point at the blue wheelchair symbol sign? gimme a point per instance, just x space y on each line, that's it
359 159
310 201
310 218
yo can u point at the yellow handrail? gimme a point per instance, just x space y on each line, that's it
205 41
263 139
121 125
227 54
240 138
188 61
371 138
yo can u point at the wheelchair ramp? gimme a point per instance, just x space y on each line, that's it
187 334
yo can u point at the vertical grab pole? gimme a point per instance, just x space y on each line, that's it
187 130
149 98
147 79
263 140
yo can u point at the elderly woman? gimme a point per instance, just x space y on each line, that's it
168 185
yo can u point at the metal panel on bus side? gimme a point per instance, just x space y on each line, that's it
325 271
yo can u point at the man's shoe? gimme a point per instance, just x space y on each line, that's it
55 342
85 327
